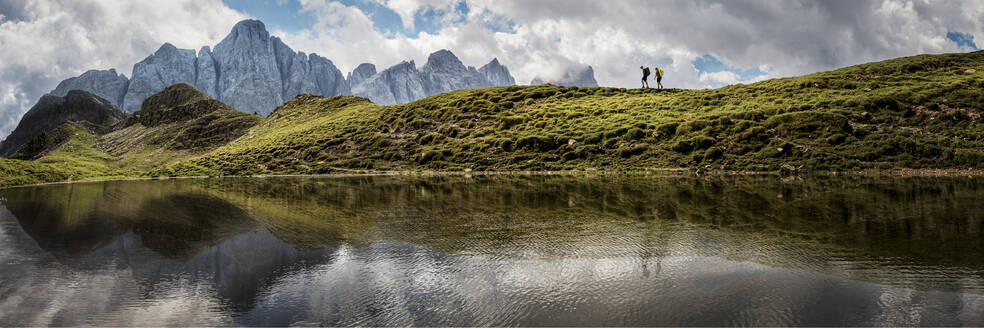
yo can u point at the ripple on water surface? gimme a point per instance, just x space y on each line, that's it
494 251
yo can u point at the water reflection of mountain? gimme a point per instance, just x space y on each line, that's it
159 237
922 233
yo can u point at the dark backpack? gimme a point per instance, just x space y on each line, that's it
645 71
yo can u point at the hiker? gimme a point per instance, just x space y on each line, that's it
659 77
645 76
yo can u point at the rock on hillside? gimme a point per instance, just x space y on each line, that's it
52 111
572 78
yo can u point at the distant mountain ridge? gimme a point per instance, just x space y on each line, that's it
443 72
253 71
572 78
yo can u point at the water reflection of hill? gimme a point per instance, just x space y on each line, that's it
867 229
922 233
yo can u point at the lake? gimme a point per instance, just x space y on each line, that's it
495 250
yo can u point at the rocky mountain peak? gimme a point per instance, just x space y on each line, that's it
105 83
165 48
361 73
497 74
248 29
443 59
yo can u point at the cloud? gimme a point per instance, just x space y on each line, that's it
720 77
408 9
543 38
44 42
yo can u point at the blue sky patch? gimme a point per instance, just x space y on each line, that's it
963 40
287 15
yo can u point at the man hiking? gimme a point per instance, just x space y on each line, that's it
645 76
659 77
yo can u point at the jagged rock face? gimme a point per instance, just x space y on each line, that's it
255 72
249 70
315 75
207 78
106 84
166 67
398 84
572 78
52 111
443 72
496 74
361 73
249 75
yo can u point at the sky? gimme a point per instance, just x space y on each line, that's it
698 43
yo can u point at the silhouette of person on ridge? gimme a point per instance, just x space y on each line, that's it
645 76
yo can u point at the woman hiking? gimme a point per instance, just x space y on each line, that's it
659 77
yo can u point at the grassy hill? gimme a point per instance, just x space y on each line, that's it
914 112
176 124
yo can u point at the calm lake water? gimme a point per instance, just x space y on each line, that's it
469 251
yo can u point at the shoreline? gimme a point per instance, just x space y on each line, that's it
664 172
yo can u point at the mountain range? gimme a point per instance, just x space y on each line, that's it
255 72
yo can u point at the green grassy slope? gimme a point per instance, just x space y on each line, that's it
914 112
176 124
